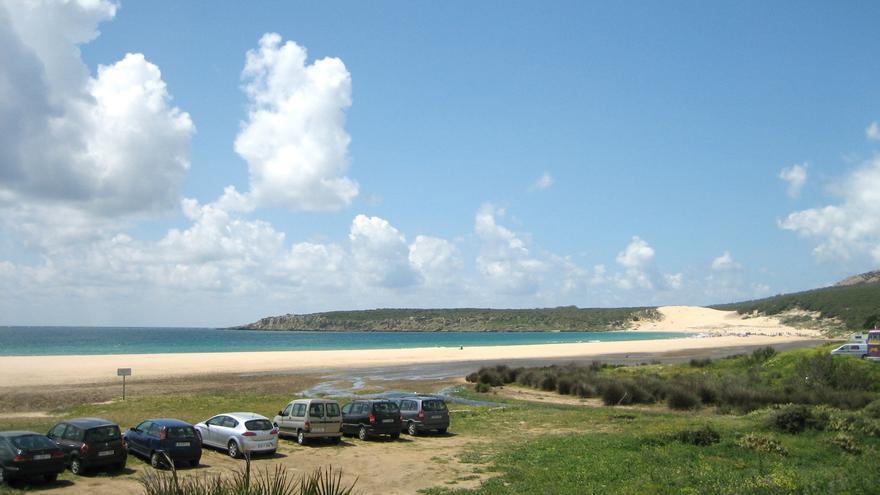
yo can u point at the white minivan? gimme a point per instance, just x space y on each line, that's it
310 418
857 349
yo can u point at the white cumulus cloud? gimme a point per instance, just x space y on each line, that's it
110 144
724 262
849 228
294 140
381 254
872 132
796 177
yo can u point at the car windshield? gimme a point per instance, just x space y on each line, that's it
332 409
385 407
434 405
316 410
103 434
258 425
181 432
32 442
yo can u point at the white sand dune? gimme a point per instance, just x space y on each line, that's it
715 322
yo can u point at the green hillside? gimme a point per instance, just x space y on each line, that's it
567 318
856 306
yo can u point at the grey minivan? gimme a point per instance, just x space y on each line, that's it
423 413
310 419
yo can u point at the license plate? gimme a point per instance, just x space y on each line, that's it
389 420
436 417
266 445
182 444
318 430
42 457
105 453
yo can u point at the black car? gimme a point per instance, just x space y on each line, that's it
25 454
368 418
90 443
423 413
156 438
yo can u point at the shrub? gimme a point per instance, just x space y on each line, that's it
584 389
762 354
701 437
700 362
483 387
680 398
872 410
564 385
847 443
791 419
613 394
473 377
761 443
548 383
707 393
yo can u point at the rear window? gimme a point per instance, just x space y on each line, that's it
258 425
316 410
332 409
103 434
32 442
433 405
181 432
385 407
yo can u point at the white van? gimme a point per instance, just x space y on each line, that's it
857 349
309 419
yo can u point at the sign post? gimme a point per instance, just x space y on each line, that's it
123 372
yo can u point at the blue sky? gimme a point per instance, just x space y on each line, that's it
663 131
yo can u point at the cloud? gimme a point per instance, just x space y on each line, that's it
872 132
849 228
436 259
725 262
380 252
504 259
110 145
636 260
796 177
294 140
543 183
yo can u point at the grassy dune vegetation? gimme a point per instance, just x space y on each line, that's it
857 307
824 443
566 318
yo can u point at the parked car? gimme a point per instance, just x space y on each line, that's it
90 443
310 418
423 413
368 418
25 454
238 433
155 437
857 349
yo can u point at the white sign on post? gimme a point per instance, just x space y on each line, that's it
123 372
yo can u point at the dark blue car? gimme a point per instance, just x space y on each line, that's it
154 438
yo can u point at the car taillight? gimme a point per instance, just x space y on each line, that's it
372 418
23 457
163 434
84 449
248 434
307 426
421 414
274 431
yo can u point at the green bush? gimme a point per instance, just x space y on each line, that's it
763 354
700 362
614 393
682 399
482 387
847 443
792 419
701 437
872 410
761 443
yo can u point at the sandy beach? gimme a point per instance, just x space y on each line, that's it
720 329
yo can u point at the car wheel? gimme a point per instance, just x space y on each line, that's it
441 431
411 429
232 449
301 438
51 478
336 440
156 460
76 466
362 433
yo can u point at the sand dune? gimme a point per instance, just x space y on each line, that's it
715 322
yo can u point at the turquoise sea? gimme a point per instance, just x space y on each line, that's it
36 341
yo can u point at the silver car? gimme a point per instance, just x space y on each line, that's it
239 433
310 419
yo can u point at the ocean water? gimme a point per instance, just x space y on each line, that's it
37 341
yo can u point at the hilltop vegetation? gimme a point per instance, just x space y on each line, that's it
567 318
855 305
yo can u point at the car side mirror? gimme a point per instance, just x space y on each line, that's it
281 413
132 429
